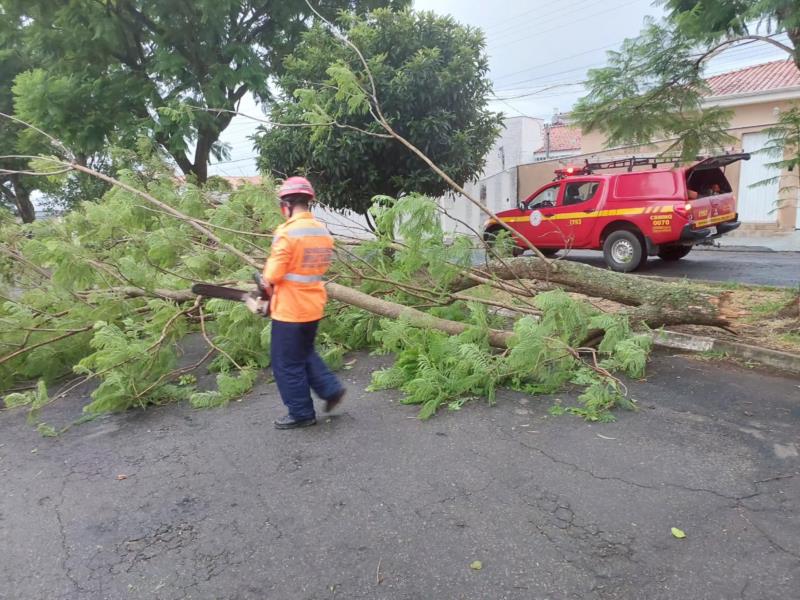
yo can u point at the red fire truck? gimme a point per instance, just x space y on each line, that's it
627 213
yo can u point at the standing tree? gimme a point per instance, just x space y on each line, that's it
14 187
112 71
654 86
430 75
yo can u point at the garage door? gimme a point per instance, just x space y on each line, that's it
757 204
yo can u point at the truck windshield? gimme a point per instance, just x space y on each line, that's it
544 199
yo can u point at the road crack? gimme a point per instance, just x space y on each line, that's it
637 484
63 536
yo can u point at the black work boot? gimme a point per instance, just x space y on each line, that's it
288 422
334 401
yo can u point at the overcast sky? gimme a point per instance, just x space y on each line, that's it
539 53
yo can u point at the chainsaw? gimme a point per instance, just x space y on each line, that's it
262 292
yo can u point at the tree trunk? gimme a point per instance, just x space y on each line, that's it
201 155
207 136
22 199
655 303
346 295
794 36
417 318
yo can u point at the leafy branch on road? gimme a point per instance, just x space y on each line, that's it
116 274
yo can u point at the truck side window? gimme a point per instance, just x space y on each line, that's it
575 193
544 199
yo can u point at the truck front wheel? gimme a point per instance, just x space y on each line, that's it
671 253
623 251
490 237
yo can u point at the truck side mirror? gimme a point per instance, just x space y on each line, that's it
520 204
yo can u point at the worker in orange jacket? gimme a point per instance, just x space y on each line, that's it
301 253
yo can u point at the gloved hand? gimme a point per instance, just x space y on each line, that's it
257 306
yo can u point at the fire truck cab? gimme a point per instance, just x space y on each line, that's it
627 213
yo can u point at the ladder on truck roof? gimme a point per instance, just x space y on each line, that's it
707 162
634 161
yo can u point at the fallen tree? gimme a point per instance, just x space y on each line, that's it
102 293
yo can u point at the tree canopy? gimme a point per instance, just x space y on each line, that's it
653 87
430 77
101 72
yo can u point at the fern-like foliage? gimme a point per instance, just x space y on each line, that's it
65 309
433 369
229 387
63 306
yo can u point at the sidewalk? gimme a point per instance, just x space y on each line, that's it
786 242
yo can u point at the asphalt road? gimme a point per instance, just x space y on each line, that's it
762 268
374 504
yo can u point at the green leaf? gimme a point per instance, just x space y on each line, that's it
18 399
678 533
46 430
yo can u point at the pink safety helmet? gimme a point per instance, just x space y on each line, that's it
296 185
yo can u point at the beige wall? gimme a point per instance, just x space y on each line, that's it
745 119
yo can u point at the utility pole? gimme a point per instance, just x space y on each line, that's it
547 141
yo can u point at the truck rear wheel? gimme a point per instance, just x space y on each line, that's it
670 253
623 251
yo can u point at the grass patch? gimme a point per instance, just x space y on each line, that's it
711 355
765 305
769 308
792 338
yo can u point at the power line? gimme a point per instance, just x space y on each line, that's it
522 114
515 18
577 92
539 78
545 89
546 18
238 160
740 51
587 17
552 62
732 51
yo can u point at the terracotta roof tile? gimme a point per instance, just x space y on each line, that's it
563 137
766 77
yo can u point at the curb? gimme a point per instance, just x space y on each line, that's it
722 248
696 343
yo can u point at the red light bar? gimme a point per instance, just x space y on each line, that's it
569 170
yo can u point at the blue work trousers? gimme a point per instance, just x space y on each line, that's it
298 369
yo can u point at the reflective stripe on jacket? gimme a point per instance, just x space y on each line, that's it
302 250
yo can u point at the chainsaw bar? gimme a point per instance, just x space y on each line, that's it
218 291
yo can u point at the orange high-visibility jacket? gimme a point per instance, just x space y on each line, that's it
302 250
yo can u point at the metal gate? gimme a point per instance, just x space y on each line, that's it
757 204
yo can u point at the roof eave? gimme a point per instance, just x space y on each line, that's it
789 93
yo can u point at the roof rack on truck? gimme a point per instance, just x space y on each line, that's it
634 161
714 161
